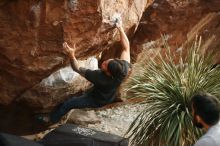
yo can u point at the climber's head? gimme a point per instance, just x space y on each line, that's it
104 66
114 68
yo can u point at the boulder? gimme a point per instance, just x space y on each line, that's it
32 33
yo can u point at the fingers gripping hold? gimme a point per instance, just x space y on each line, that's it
68 49
116 18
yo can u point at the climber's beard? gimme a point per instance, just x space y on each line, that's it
196 123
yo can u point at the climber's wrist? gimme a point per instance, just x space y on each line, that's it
120 28
71 56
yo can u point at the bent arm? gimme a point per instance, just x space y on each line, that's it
125 54
75 66
74 63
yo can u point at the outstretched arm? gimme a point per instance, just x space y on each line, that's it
74 63
125 55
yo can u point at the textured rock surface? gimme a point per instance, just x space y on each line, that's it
181 21
83 117
32 33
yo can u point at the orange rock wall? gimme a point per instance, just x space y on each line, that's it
181 21
32 33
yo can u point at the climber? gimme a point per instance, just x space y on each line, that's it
105 81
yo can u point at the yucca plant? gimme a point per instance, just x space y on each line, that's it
167 86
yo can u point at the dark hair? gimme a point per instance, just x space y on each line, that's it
207 107
117 69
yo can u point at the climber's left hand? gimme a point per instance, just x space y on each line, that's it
70 51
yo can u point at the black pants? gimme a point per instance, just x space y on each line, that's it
83 101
